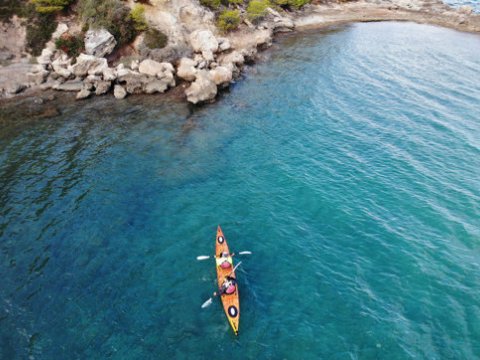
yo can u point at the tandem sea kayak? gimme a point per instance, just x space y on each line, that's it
230 302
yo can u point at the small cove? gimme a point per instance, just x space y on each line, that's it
348 163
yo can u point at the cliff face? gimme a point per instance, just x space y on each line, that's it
12 40
177 19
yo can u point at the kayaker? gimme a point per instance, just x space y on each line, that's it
228 286
225 260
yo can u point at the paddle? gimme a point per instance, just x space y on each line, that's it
209 301
206 257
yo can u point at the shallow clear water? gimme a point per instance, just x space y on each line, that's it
349 163
475 4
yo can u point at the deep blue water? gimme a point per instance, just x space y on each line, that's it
348 162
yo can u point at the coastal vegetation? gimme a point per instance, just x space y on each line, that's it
155 39
229 15
50 6
229 20
40 20
40 27
124 23
212 4
70 44
297 4
257 9
112 15
68 40
138 17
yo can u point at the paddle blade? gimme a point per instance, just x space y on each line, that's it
207 303
245 253
203 257
235 268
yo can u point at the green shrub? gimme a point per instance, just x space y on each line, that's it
291 3
229 20
257 9
138 16
212 4
155 39
8 8
111 15
50 6
235 2
70 44
40 28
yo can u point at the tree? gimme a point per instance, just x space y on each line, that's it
257 9
229 20
138 16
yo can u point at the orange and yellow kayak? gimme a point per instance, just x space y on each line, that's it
231 302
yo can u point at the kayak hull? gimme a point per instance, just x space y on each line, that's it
230 302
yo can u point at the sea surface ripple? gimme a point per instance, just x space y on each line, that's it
348 162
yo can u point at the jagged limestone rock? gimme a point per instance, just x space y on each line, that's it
71 85
221 75
186 69
202 89
99 42
203 41
119 92
83 94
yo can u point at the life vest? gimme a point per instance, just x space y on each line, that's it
229 287
224 262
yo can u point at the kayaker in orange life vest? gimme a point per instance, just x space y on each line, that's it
225 260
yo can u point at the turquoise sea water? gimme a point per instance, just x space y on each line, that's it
348 162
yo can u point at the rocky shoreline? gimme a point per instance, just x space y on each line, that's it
211 62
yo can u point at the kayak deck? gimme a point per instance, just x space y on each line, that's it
230 302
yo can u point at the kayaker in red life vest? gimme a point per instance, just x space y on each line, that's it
225 260
228 286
